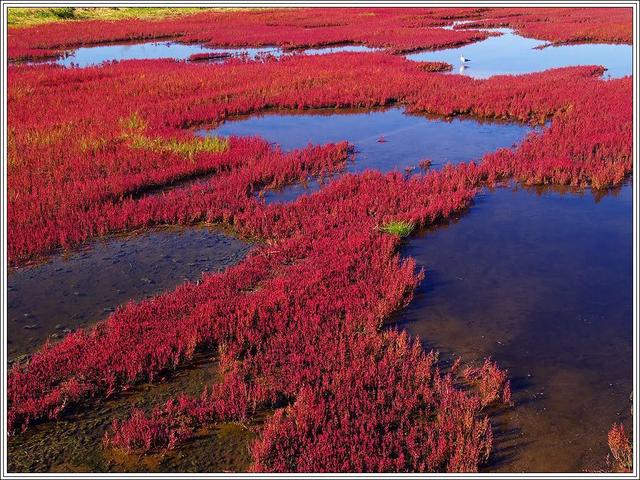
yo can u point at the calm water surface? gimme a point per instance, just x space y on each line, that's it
95 55
512 54
542 283
385 140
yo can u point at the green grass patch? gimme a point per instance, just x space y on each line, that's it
187 148
398 227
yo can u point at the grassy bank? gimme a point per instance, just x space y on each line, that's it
24 17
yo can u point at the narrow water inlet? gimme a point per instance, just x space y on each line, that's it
548 295
98 54
75 291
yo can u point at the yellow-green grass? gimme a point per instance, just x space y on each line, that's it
25 17
187 148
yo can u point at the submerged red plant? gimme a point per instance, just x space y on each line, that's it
200 57
492 382
621 448
436 66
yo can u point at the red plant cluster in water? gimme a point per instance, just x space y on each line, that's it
621 448
297 324
436 66
201 57
491 382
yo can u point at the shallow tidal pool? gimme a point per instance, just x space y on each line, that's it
385 139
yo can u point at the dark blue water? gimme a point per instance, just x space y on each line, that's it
385 140
543 283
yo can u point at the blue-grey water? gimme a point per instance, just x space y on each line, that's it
76 290
385 140
96 55
542 282
512 54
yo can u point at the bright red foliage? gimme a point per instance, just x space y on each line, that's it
621 448
297 324
395 29
68 181
563 25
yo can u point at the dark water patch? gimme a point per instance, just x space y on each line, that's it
385 139
74 291
541 281
512 54
74 442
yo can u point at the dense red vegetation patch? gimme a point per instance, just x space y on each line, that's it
296 325
78 171
398 30
563 25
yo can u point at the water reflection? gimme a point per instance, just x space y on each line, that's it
507 53
385 140
542 282
512 54
95 55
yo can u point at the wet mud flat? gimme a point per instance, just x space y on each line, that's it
73 443
73 291
541 281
